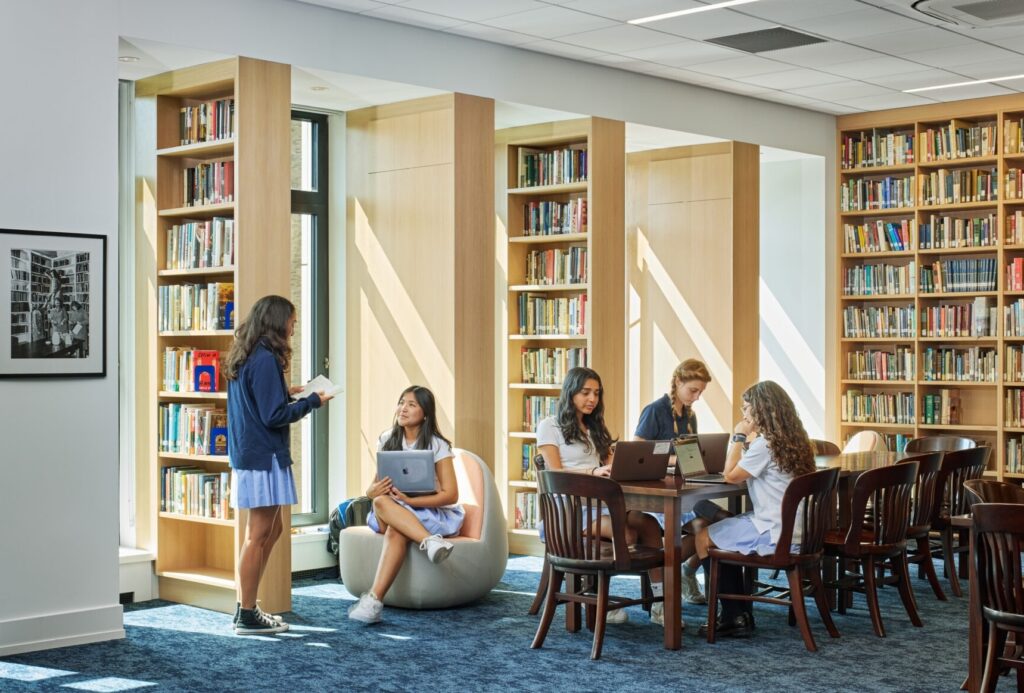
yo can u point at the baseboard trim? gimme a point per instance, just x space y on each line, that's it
49 631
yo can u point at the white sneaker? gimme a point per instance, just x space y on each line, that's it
658 615
692 593
616 616
436 547
367 609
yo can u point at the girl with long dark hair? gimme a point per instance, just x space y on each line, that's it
425 520
260 411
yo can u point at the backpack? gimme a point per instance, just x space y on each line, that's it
349 513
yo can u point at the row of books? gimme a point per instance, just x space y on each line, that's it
191 370
871 322
555 266
1014 230
877 148
1014 461
201 244
1013 319
877 364
529 470
1014 184
196 306
552 167
878 236
1013 407
967 276
1014 278
864 194
192 429
209 184
527 512
976 319
941 408
541 315
877 279
958 232
549 365
1013 135
536 408
208 121
194 491
552 218
958 140
882 407
959 185
947 364
1014 369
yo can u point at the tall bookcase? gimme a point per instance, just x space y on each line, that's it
561 186
931 252
237 167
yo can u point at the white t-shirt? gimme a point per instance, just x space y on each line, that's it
574 455
766 487
442 450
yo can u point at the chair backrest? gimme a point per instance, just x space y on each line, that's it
472 475
866 441
713 448
940 443
957 467
889 490
992 491
926 489
807 501
998 530
824 447
570 504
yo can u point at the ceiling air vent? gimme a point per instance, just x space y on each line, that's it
984 13
766 40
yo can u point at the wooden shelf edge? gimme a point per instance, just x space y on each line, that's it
551 238
206 576
172 394
199 519
196 333
580 186
196 271
199 150
519 288
220 459
199 211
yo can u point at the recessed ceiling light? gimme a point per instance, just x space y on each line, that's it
318 88
964 84
128 59
692 10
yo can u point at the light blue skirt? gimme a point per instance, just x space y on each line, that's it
739 534
684 518
259 488
446 521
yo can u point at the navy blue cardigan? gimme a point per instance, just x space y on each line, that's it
260 412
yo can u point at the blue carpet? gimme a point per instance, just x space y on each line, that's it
485 647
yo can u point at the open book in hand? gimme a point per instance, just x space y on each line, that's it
318 384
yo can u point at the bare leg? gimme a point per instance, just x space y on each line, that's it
399 526
275 534
250 561
648 533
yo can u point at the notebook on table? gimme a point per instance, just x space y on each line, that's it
690 463
411 471
640 460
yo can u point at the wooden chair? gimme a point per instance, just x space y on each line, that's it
803 568
824 447
926 496
871 539
866 441
542 585
998 530
992 491
940 444
958 466
567 502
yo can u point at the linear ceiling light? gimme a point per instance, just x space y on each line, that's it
965 84
692 10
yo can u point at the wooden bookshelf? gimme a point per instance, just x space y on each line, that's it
248 155
574 222
961 214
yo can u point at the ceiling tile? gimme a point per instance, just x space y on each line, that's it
550 22
785 11
394 13
950 57
633 9
493 34
821 54
892 100
918 78
791 79
974 91
711 24
874 67
563 49
841 90
989 69
347 5
739 67
804 101
737 87
472 10
913 41
993 33
684 53
619 39
863 22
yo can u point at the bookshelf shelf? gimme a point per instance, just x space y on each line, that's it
535 386
876 255
957 383
877 340
957 427
205 576
221 459
879 383
550 189
200 150
959 206
522 435
553 238
959 251
198 272
197 518
886 426
891 212
551 337
958 294
171 395
878 297
959 163
877 170
199 211
548 287
526 533
522 484
196 333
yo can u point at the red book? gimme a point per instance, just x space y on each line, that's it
206 367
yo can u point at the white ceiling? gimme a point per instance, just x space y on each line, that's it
874 48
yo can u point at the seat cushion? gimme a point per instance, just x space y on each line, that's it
471 494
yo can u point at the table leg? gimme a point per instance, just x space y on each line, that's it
673 577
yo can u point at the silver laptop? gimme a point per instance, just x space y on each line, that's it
640 460
411 471
690 463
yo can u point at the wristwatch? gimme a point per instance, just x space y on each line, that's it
739 438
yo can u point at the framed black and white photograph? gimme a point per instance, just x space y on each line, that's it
53 289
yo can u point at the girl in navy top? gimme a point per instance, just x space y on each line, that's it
260 411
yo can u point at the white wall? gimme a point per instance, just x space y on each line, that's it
792 291
58 493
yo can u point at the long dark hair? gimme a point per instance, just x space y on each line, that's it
602 440
428 429
267 323
774 414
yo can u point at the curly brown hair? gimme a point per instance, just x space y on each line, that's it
773 413
267 324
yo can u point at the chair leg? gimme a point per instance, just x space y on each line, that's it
961 549
821 599
996 642
572 623
871 592
542 588
927 567
842 594
712 586
554 584
902 571
799 609
950 565
645 591
603 582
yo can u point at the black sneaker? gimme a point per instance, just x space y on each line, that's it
741 626
238 609
255 622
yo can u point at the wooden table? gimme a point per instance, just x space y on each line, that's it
672 496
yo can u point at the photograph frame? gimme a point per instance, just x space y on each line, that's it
53 304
